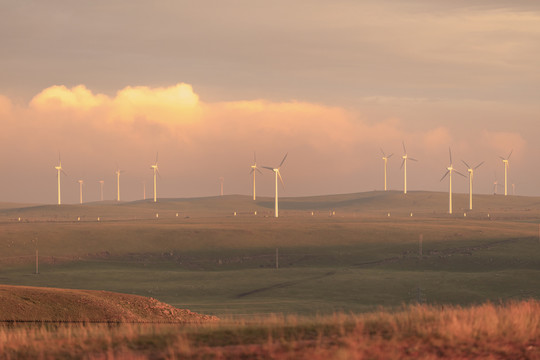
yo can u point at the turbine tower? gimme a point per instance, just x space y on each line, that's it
505 162
385 158
59 170
118 172
471 176
156 172
144 189
221 180
449 171
254 168
405 157
278 175
80 190
101 189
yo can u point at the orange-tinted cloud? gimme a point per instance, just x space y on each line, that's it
331 149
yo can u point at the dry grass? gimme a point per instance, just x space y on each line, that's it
507 331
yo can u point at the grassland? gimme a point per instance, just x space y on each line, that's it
354 260
510 331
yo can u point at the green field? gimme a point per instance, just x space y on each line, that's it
208 260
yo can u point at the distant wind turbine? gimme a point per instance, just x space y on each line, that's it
404 166
505 161
156 172
471 176
59 170
254 168
278 175
118 172
495 183
449 171
221 180
80 190
144 189
385 158
101 189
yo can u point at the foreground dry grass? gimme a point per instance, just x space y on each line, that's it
509 331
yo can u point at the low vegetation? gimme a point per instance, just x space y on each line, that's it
35 304
488 331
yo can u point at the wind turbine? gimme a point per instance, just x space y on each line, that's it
385 158
505 161
278 175
101 189
156 172
449 171
221 180
471 176
253 169
59 170
495 183
80 190
144 189
118 172
404 166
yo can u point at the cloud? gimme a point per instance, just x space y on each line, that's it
502 143
56 98
331 149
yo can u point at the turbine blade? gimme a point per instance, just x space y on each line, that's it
404 150
402 162
280 179
510 154
63 172
260 172
268 167
282 161
467 165
254 157
156 157
457 172
389 156
383 154
502 158
252 170
445 174
413 159
477 166
450 153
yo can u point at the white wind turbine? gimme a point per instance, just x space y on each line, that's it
156 172
495 183
471 176
254 168
221 180
101 189
505 161
144 189
118 172
404 166
385 158
81 182
59 170
278 175
449 171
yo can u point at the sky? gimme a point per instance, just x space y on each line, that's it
109 84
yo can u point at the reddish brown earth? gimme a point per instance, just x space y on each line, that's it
25 303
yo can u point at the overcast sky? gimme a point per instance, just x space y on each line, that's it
206 83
